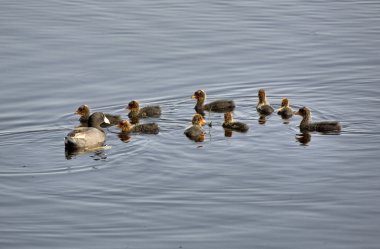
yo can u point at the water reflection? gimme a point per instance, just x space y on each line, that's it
124 137
285 120
303 138
98 154
227 132
262 119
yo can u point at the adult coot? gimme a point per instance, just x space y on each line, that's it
88 137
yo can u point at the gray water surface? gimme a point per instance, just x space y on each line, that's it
262 189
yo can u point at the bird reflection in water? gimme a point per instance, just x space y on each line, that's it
285 121
98 153
227 132
303 138
262 119
124 137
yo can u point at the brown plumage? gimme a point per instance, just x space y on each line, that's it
263 107
285 110
150 128
215 106
229 123
307 124
195 132
135 112
198 120
304 138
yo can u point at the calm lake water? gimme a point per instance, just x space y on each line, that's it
267 188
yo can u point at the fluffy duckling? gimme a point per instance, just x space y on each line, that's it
263 107
198 119
215 106
195 132
229 123
285 110
148 111
150 128
89 137
307 124
84 112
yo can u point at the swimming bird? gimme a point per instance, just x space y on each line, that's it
135 112
84 112
263 107
285 110
89 137
229 123
323 126
215 106
149 128
195 132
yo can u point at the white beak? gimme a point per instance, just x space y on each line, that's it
106 120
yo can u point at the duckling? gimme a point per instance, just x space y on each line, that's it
84 112
229 123
195 132
198 119
150 128
263 107
89 137
215 106
285 110
307 124
136 112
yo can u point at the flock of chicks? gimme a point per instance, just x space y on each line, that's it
91 135
264 109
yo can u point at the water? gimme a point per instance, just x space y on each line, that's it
263 189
